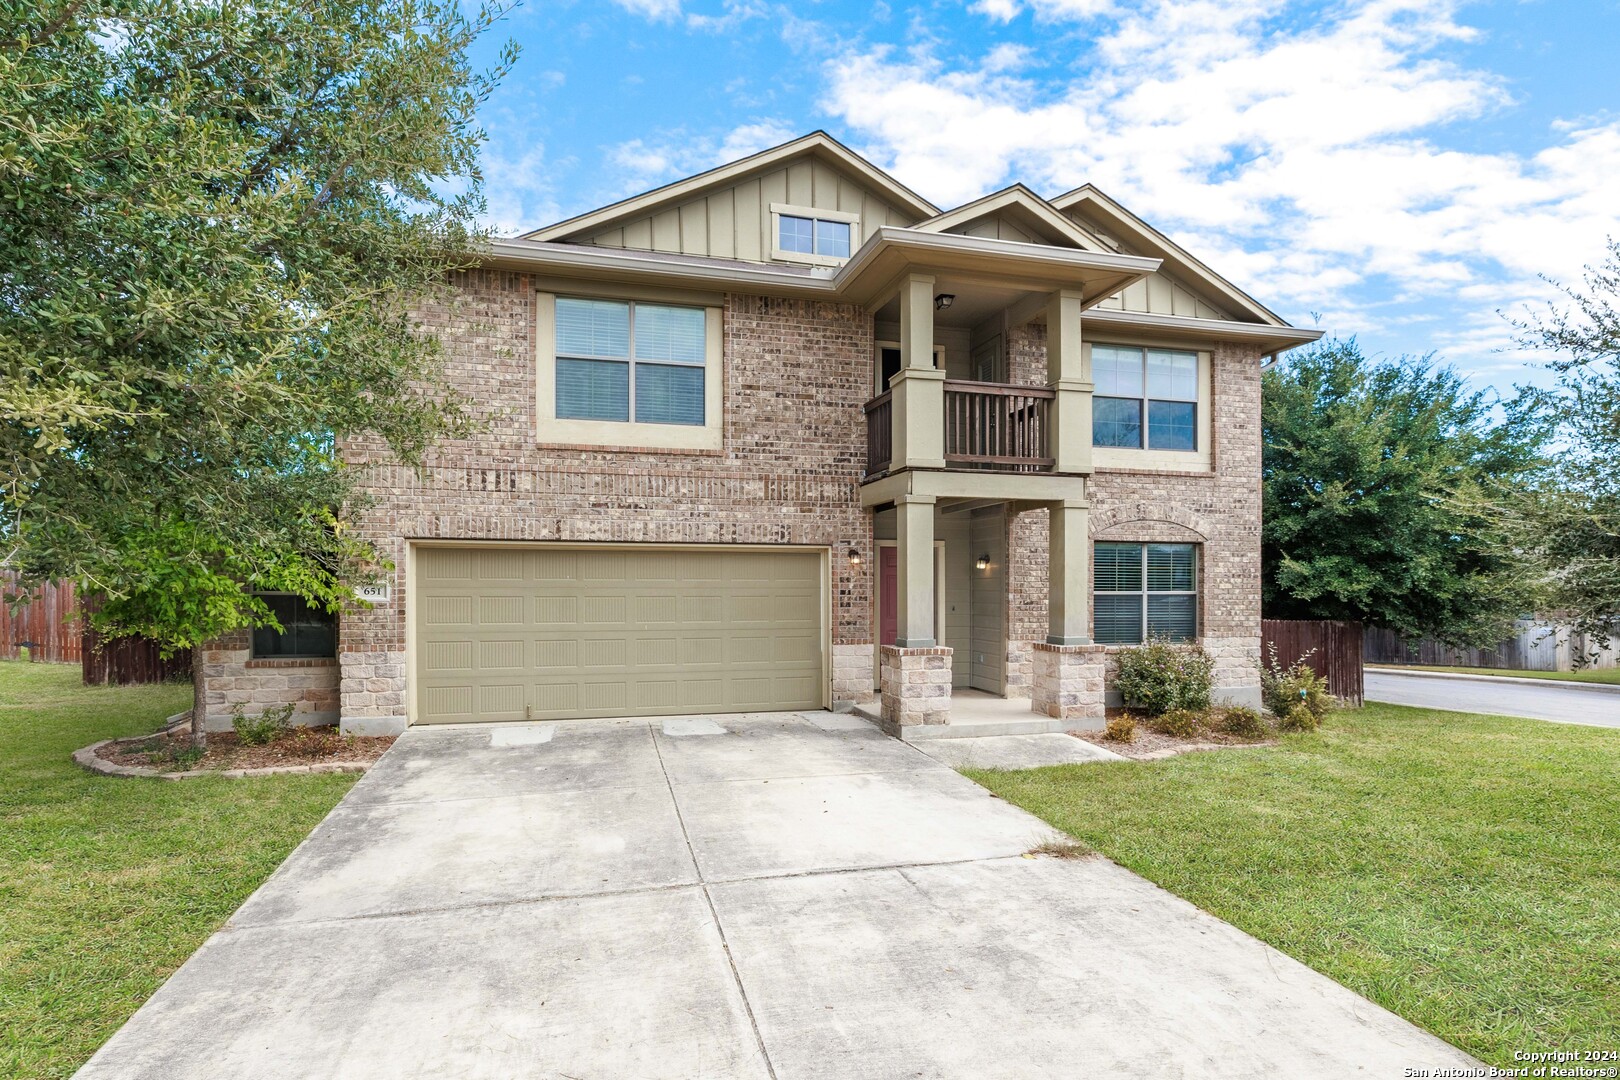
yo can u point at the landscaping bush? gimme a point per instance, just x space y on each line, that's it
1244 722
1121 728
1158 676
1282 688
1181 723
262 729
1299 718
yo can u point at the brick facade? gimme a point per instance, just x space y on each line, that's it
1220 511
796 373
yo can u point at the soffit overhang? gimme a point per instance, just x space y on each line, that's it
868 278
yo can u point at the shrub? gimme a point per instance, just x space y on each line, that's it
1181 723
1121 728
1282 688
262 729
1244 722
1158 676
1299 718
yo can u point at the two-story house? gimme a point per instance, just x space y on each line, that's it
785 435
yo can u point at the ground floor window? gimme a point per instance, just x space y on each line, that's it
306 631
1145 590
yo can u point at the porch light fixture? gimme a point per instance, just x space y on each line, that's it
983 563
944 300
854 557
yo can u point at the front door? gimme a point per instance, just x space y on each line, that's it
889 594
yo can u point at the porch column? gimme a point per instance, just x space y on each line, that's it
914 571
1070 375
1069 581
919 389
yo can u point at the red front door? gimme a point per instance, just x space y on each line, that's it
888 596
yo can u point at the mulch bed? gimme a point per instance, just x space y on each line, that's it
1151 745
298 746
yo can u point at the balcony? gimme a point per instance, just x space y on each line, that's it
992 426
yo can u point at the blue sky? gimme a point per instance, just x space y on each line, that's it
1404 169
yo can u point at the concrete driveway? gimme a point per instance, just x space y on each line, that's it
1570 703
770 896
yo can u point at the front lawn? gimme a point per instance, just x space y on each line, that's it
1462 871
107 884
1608 676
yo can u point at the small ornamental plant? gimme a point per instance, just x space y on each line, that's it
1244 722
261 730
1283 688
1120 728
1180 723
1159 676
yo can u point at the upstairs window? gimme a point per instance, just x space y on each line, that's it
1145 399
813 236
618 359
307 632
1145 590
803 234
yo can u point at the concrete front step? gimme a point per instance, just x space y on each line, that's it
979 727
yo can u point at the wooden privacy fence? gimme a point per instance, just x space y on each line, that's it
1534 646
125 661
44 621
1331 648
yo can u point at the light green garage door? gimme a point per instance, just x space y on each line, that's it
508 633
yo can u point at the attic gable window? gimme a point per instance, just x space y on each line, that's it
822 237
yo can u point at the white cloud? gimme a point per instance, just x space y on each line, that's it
642 164
517 190
1305 163
652 9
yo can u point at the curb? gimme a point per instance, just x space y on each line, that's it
88 759
1592 688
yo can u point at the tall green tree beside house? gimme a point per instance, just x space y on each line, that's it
1571 524
1376 479
214 221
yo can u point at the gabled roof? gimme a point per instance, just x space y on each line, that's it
1025 208
1088 200
816 144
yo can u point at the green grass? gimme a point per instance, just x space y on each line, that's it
1462 871
106 884
1609 676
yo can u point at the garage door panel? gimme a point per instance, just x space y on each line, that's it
556 655
556 610
656 652
500 610
496 565
615 632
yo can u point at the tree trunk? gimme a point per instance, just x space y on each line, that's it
199 714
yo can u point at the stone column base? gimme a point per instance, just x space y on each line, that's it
915 686
1069 683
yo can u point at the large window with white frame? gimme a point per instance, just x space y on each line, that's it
1145 591
626 360
1144 399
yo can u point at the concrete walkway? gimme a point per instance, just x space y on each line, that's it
775 896
1547 700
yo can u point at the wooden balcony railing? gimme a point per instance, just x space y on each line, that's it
991 426
879 433
998 426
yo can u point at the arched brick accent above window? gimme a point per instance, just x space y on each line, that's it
1149 522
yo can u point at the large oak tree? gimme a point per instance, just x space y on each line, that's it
1378 483
214 220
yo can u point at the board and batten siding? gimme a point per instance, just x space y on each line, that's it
996 227
735 222
1159 294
